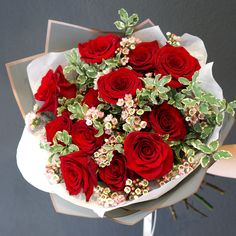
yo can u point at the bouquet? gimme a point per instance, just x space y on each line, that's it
123 118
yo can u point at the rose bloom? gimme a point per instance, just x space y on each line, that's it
148 155
115 175
79 173
91 98
53 86
142 58
166 119
117 84
58 124
84 137
102 47
177 62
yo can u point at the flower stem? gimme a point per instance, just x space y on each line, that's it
203 201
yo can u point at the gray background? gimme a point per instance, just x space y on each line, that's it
26 211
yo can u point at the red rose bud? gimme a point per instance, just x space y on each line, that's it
117 84
142 58
84 137
59 124
177 62
148 155
53 86
166 119
91 98
115 175
79 173
102 47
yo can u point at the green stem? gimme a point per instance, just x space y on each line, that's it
188 205
203 201
214 187
173 212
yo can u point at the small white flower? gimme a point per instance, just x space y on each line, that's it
124 115
132 40
132 46
125 51
114 121
108 118
143 124
89 122
120 102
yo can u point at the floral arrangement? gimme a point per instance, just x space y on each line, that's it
126 116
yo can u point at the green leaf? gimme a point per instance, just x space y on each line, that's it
162 89
219 118
133 20
91 74
119 25
129 31
201 146
68 69
189 102
222 154
195 76
205 161
123 15
119 148
206 132
197 90
232 104
230 109
214 145
99 133
73 148
203 108
183 81
164 80
57 148
212 100
147 108
66 137
72 56
81 79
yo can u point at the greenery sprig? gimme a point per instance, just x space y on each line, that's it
61 145
126 22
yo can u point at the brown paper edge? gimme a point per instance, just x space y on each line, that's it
8 66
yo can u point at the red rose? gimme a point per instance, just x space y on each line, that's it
148 155
84 137
91 98
145 117
166 119
142 58
102 47
177 62
79 173
115 175
53 86
60 123
117 84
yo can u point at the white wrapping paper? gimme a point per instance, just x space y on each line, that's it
32 160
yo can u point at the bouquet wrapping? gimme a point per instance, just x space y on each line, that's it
124 124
